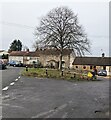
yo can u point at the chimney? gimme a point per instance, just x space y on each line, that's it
103 55
27 51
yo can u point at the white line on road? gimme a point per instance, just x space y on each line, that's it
13 106
12 83
16 79
57 110
5 97
6 88
65 115
42 114
75 84
19 77
50 113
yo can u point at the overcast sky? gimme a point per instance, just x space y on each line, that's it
19 19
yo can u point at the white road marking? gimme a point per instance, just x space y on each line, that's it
62 107
12 83
42 114
5 104
57 110
95 99
13 106
50 112
6 88
5 97
65 115
75 84
16 79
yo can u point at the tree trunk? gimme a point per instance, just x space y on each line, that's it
60 65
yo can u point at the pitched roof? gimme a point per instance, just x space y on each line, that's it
24 53
40 52
96 61
55 52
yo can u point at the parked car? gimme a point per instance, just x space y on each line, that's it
102 73
15 63
12 63
19 64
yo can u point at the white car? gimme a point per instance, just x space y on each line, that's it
102 73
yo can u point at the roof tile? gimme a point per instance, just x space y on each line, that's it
97 61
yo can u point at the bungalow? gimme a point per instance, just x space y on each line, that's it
87 63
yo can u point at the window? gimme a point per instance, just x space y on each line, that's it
104 67
84 67
76 66
94 66
90 67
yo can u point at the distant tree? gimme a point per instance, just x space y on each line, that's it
60 29
16 45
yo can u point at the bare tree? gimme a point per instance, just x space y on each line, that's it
25 48
35 45
60 29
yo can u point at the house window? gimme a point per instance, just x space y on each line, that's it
94 66
104 67
76 66
84 67
90 67
28 58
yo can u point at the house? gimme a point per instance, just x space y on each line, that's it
87 63
47 57
25 57
3 52
51 57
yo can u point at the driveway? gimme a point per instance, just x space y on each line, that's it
49 98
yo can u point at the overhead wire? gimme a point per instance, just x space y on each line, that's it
16 25
31 27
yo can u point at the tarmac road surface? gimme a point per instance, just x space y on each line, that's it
9 75
49 98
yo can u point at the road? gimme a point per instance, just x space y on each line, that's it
9 75
49 98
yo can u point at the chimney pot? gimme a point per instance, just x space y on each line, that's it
103 54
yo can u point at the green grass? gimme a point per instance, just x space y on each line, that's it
54 73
